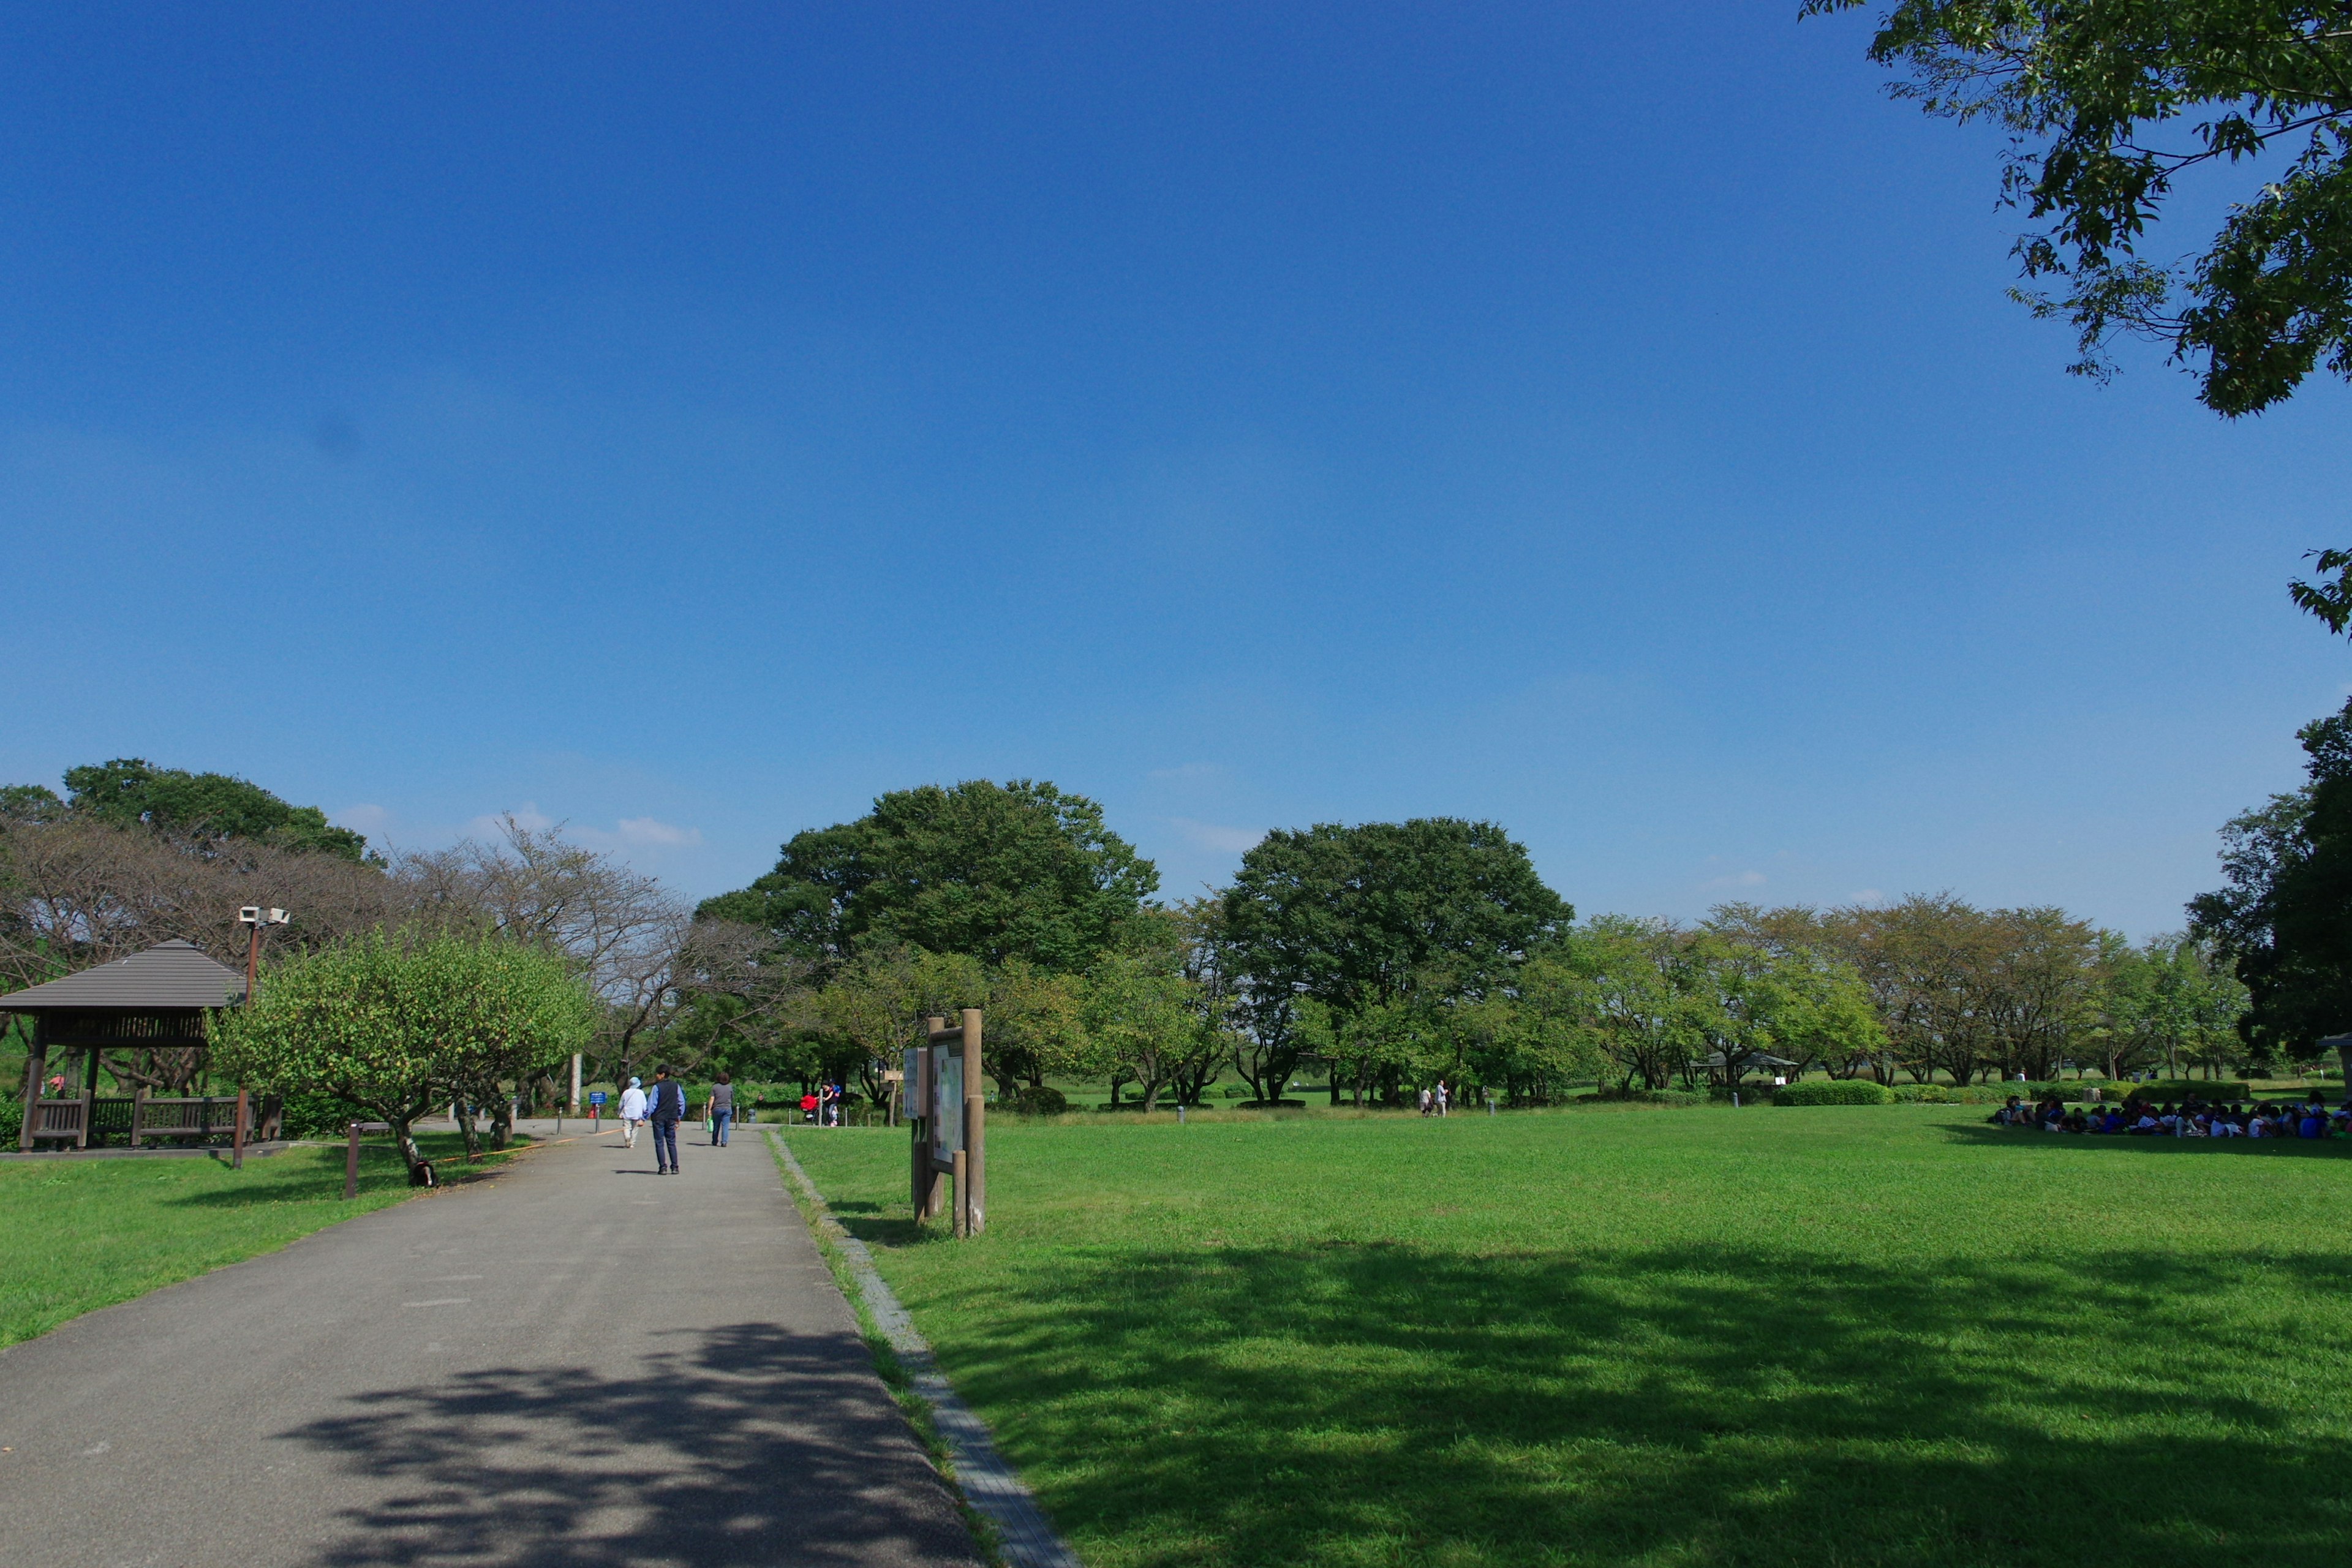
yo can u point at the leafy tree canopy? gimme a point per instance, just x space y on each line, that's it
398 1023
2285 914
996 872
1360 916
2110 103
129 792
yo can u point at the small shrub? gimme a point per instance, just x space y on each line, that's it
310 1114
1040 1100
2181 1088
1607 1096
1836 1092
1951 1094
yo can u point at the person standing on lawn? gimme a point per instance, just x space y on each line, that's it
722 1110
633 1113
668 1109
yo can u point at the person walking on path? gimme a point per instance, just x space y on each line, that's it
722 1110
668 1109
633 1113
1442 1097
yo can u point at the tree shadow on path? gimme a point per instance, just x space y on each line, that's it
740 1445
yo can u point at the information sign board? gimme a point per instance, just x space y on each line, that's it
947 1101
595 1097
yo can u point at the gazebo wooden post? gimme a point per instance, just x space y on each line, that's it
89 1095
36 1062
138 1113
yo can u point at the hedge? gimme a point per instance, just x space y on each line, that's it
1834 1091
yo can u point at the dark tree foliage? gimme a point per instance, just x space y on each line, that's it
2110 103
130 793
1354 917
2286 914
996 872
1357 915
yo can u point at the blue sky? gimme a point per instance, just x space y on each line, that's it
687 422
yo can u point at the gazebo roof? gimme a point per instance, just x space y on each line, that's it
172 977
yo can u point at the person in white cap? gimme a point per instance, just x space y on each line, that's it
633 1113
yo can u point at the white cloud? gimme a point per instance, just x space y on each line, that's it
1869 897
368 819
1738 879
1190 771
1210 836
648 830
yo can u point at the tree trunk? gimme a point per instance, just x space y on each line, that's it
407 1141
473 1134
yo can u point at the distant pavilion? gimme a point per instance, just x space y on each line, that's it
141 1018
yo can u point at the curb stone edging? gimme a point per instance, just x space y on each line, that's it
989 1483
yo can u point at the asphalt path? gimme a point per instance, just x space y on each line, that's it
573 1362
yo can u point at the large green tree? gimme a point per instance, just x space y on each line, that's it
1359 919
996 872
130 791
2285 912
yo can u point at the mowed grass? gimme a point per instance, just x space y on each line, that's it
78 1235
1822 1336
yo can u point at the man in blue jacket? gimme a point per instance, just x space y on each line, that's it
667 1111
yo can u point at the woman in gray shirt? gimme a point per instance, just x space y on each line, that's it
722 1110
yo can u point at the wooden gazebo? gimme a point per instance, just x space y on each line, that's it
141 1018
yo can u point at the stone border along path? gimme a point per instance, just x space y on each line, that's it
988 1484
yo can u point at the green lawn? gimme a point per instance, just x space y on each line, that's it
84 1234
1821 1336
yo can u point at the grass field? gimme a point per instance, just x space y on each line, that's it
84 1234
1822 1336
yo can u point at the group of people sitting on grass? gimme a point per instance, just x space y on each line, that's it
2192 1118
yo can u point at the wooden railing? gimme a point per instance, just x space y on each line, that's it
57 1117
190 1117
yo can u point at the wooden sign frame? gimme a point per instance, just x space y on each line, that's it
949 1140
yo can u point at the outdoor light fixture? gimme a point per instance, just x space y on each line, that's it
254 918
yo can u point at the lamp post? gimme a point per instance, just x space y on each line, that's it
253 917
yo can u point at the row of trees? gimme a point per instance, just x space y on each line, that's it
1388 955
1384 955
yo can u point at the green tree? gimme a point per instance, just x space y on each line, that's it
399 1023
129 792
993 871
2109 103
1631 989
2285 914
1368 917
1142 1021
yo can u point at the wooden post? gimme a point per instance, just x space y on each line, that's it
88 1095
962 1190
972 1190
237 1136
138 1112
351 1166
920 1125
36 1062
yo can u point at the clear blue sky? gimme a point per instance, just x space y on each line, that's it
689 422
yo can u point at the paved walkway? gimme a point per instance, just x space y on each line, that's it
574 1362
